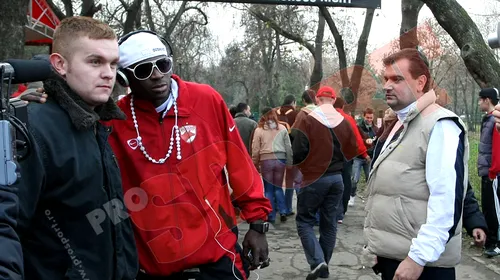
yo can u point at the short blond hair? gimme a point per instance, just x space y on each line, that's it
72 28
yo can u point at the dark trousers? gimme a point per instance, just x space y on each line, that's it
388 267
324 195
220 270
490 214
346 178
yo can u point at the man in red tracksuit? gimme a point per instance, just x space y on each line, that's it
172 151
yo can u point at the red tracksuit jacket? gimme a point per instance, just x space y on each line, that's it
174 226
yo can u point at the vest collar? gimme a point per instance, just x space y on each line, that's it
420 105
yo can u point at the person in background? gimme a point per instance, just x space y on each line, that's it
362 162
244 124
323 141
309 99
488 167
286 115
271 152
387 120
286 112
347 169
232 111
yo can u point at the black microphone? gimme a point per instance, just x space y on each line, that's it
26 71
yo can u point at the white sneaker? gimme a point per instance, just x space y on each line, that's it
320 269
351 201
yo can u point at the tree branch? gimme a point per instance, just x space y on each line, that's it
124 4
409 21
317 73
68 7
132 13
59 14
339 43
361 53
89 9
477 56
149 16
171 26
281 31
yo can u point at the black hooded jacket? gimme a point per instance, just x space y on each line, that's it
72 223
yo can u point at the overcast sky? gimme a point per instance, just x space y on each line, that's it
225 23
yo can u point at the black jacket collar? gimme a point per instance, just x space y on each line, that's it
81 115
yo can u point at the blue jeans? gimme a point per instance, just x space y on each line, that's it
325 195
356 173
273 171
293 181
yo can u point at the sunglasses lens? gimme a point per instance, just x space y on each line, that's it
143 71
164 65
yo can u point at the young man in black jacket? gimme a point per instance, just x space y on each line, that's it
11 258
72 223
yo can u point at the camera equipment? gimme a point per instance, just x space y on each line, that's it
12 72
493 38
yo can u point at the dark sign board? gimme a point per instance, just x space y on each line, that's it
374 4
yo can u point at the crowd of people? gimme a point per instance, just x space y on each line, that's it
149 187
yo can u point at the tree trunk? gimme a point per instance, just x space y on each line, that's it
171 26
59 14
149 16
12 22
455 95
271 23
477 56
317 73
360 56
89 9
339 43
408 31
277 68
68 7
132 12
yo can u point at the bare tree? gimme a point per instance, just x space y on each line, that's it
410 10
88 8
316 50
477 56
133 15
317 73
350 86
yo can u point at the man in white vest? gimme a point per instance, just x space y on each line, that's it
418 178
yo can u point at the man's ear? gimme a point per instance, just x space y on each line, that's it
421 82
59 64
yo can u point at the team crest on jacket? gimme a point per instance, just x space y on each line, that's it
188 133
133 143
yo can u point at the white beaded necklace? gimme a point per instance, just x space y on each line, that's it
171 146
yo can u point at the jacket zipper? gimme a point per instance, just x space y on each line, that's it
162 131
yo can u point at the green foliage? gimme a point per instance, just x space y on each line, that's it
474 179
